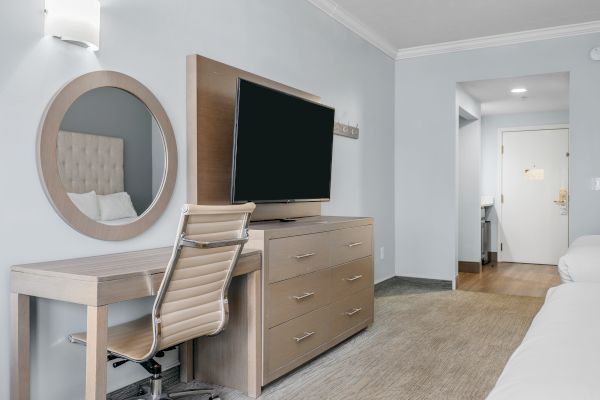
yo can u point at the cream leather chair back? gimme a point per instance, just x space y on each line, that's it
192 299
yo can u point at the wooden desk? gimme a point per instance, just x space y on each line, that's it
99 281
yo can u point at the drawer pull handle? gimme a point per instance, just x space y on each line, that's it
354 311
306 335
304 296
354 278
351 245
301 256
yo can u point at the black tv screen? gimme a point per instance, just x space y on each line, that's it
282 147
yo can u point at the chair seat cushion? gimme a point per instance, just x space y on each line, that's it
133 339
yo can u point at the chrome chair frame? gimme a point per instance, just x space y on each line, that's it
162 291
155 390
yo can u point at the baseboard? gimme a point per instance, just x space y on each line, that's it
469 266
426 281
170 378
493 256
377 282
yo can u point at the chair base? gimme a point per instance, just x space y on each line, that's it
183 394
195 392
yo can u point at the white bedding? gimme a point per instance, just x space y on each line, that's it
559 357
581 263
116 206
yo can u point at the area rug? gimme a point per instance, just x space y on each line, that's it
423 345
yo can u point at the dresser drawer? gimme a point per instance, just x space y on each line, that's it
351 244
352 277
354 310
297 296
297 255
294 338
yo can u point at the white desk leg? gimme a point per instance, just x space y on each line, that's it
20 343
254 317
95 357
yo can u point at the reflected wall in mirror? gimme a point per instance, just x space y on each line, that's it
110 151
107 155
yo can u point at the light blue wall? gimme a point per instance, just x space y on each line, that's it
426 205
289 41
490 142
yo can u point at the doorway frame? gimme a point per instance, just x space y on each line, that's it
501 132
468 116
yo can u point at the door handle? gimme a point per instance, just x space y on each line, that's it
351 245
562 197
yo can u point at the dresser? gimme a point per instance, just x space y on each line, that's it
317 287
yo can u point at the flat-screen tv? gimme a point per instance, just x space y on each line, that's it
282 147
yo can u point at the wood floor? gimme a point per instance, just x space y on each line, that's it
511 278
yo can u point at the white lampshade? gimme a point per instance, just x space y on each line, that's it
74 21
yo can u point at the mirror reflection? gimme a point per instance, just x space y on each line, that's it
111 156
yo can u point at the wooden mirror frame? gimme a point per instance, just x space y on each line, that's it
48 165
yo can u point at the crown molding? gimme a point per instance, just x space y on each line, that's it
332 9
500 40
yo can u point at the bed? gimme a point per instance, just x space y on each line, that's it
581 263
91 169
559 357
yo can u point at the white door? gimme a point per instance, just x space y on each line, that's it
534 203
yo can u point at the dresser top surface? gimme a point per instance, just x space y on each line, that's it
308 225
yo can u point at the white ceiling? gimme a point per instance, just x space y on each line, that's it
402 24
548 92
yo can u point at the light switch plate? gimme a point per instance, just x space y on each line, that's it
595 54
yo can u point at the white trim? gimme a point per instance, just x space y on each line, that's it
551 127
462 112
501 131
332 9
335 11
500 40
429 277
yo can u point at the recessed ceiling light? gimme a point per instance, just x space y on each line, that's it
519 90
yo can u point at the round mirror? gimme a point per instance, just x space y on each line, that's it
107 155
110 155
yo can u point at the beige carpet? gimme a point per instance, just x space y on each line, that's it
429 345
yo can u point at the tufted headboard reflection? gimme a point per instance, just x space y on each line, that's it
90 162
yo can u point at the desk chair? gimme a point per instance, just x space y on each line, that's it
192 299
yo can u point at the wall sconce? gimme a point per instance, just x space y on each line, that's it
74 21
